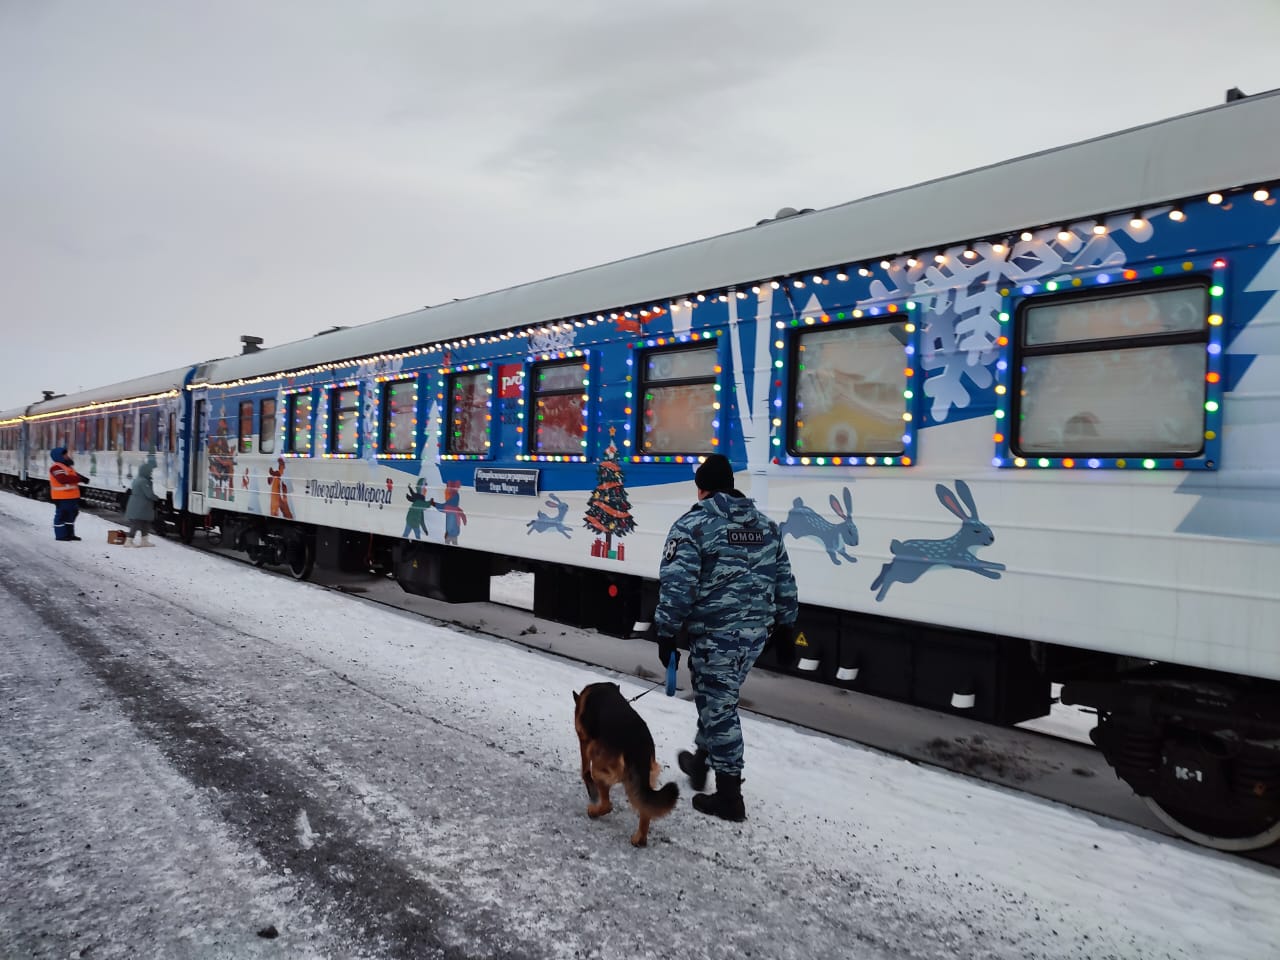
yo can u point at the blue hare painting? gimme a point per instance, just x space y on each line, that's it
912 559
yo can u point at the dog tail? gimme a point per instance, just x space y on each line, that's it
646 800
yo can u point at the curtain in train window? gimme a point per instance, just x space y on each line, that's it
267 425
849 397
129 416
344 421
680 402
115 432
100 433
399 403
244 442
1115 375
82 435
468 432
559 398
297 423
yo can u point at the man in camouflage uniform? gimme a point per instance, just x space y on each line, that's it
726 579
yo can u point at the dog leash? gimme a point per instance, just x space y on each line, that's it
650 690
669 681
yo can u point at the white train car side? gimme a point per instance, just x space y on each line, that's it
1018 426
111 431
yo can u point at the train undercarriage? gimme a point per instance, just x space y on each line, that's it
1202 749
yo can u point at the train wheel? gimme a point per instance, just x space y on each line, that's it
1221 832
301 557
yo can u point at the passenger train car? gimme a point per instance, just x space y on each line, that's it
13 448
1017 426
109 431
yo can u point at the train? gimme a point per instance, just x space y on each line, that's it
1018 427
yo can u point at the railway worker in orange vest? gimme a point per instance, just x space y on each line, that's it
64 491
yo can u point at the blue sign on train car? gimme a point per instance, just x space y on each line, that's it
510 481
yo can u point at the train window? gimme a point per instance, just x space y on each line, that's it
115 432
82 434
100 429
245 442
344 421
147 431
469 416
297 423
173 434
398 429
128 419
559 401
848 397
678 414
267 425
1121 374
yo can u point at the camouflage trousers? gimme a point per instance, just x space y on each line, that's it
718 664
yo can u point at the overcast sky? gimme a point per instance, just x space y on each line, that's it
176 173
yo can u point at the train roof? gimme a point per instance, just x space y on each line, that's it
148 386
1229 145
17 413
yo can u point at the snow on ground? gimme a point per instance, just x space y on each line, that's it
195 751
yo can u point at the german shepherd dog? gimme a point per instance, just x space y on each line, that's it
618 748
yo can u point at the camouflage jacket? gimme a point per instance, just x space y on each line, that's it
724 566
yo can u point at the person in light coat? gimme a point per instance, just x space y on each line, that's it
141 509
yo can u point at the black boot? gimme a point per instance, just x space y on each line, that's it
726 802
71 535
694 766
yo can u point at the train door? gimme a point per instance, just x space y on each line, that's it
196 469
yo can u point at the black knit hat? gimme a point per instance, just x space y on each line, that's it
714 474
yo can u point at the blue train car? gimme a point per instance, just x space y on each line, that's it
1019 426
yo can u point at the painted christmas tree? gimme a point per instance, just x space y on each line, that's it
609 510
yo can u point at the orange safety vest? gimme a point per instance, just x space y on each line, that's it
63 483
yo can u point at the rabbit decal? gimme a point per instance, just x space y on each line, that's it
544 521
804 521
912 559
